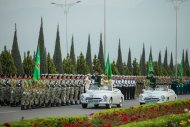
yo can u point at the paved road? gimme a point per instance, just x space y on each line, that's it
8 114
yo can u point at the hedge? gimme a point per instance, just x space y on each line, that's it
111 117
179 120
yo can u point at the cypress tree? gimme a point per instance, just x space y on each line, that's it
28 64
82 67
43 66
119 60
88 55
34 56
159 59
166 60
57 57
143 62
150 55
183 59
0 66
101 54
72 52
51 67
129 63
16 54
96 65
7 62
171 63
186 60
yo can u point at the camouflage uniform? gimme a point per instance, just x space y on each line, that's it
13 93
47 93
68 90
63 92
76 89
3 92
52 92
71 95
58 92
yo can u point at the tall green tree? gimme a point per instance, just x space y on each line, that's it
150 55
165 64
101 54
88 56
159 59
16 54
171 63
82 67
114 68
1 71
57 57
119 60
136 69
50 65
143 62
187 69
7 62
43 64
129 63
72 52
68 66
28 64
96 65
183 58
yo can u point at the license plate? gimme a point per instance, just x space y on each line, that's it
150 102
93 101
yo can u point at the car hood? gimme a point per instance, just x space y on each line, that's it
155 93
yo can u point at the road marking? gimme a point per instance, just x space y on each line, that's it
7 112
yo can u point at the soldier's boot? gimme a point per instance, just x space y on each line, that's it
22 107
68 103
0 102
77 102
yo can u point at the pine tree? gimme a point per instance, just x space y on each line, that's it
101 54
68 66
82 67
72 52
114 68
150 55
96 65
50 65
7 62
129 63
166 60
143 62
119 60
136 69
43 66
88 55
57 57
171 63
28 64
16 54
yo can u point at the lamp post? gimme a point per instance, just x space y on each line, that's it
177 4
66 7
104 29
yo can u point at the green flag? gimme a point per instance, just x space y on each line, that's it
36 74
108 70
180 70
150 68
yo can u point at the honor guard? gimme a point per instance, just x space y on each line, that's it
68 90
63 90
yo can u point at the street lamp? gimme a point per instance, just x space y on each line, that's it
66 7
104 29
177 4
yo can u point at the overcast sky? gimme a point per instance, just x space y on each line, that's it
133 21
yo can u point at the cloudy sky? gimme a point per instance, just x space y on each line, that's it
135 22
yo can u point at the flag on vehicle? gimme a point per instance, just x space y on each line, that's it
150 68
36 73
108 70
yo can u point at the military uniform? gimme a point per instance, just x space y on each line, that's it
67 90
72 91
63 91
76 89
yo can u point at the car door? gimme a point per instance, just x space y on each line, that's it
116 96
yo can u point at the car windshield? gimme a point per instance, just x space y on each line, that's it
101 87
161 88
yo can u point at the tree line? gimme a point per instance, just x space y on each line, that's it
11 63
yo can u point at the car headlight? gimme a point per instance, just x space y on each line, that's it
105 98
140 96
163 97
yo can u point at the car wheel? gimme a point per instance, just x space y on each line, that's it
120 103
84 105
96 105
109 106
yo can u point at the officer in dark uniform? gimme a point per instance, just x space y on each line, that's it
152 80
97 78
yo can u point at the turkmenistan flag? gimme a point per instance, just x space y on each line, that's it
36 74
180 70
108 70
150 68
